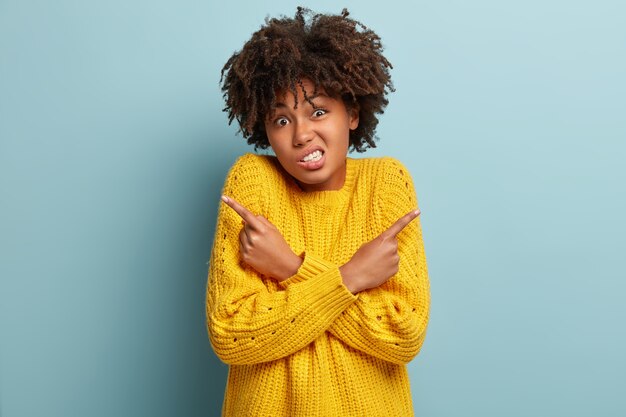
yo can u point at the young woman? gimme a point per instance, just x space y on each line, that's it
318 293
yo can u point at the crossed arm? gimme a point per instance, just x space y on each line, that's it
381 317
265 249
358 302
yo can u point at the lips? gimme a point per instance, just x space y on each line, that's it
312 159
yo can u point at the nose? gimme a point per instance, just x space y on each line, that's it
302 134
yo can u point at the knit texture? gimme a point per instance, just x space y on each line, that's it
307 346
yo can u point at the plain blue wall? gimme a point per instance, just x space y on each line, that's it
510 116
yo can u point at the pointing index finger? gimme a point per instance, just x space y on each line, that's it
402 222
243 212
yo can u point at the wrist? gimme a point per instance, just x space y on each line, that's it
349 278
290 268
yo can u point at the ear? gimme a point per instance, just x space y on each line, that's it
353 116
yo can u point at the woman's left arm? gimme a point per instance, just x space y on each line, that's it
390 321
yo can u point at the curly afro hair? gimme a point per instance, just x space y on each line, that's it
336 53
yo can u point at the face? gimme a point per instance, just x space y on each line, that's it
312 143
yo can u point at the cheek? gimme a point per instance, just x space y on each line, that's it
343 142
277 147
274 144
279 141
284 157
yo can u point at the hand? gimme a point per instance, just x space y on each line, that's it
376 261
262 246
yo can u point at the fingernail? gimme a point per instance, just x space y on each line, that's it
417 212
225 199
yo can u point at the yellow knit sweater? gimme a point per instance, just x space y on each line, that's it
307 346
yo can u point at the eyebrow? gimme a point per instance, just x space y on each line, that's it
321 95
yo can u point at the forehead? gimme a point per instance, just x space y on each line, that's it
287 95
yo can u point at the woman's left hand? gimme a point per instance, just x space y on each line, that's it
262 246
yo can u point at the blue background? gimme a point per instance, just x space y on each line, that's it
114 148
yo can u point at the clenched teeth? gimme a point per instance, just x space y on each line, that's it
313 156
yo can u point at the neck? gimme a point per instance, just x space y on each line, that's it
333 184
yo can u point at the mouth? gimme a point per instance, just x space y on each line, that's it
313 160
314 156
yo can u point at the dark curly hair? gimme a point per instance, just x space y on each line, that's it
337 53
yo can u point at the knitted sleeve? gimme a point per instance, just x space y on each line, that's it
390 321
249 320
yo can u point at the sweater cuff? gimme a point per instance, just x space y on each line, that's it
311 267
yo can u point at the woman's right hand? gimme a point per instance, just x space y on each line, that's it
377 260
262 246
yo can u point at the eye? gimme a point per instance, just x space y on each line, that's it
319 112
281 121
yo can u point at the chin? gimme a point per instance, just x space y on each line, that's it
308 181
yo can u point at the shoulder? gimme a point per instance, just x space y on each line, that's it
384 170
397 174
250 162
391 180
242 181
253 168
251 178
393 165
